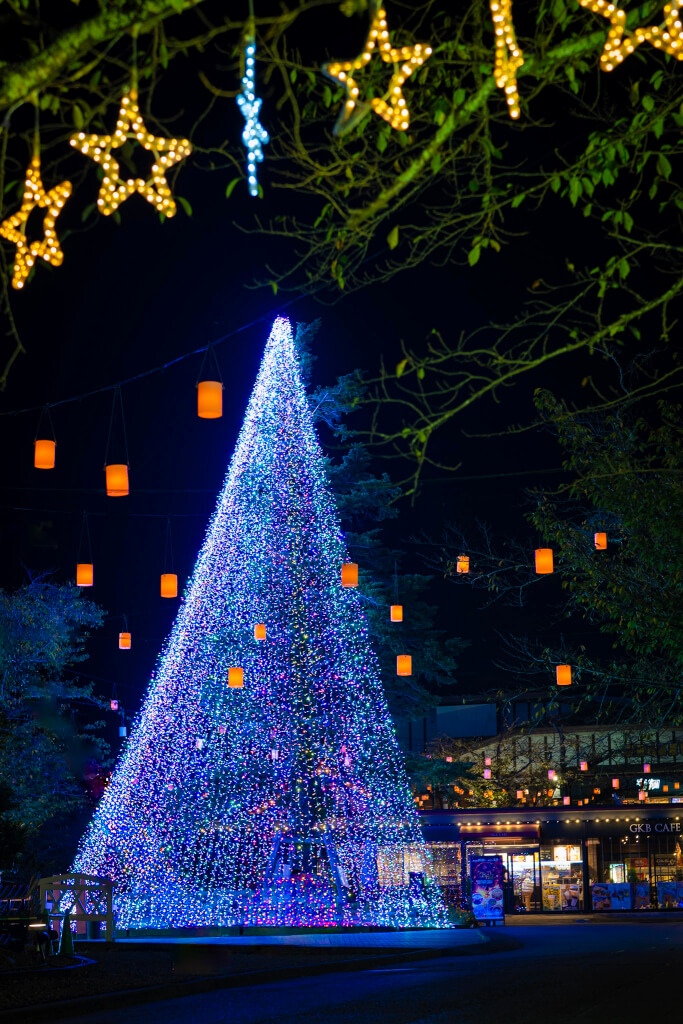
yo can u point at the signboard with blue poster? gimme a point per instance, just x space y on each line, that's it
486 876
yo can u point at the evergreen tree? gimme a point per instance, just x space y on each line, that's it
262 782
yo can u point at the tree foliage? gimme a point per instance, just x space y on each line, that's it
43 752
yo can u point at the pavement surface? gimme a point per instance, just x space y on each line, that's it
432 938
578 972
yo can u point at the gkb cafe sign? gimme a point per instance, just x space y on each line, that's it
650 827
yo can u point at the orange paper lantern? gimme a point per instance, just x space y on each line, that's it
209 399
169 584
260 631
124 641
563 674
646 768
117 480
349 574
236 678
44 454
84 574
463 563
520 794
396 613
600 541
404 665
544 560
566 801
615 783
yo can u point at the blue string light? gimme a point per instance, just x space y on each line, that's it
262 782
254 135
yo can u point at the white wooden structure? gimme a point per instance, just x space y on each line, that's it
84 897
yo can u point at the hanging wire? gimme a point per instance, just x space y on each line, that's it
395 581
168 548
45 413
208 353
85 534
117 394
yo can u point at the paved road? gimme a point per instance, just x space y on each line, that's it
575 974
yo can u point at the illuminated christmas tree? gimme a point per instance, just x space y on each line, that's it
281 801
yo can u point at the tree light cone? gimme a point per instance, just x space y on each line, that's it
230 834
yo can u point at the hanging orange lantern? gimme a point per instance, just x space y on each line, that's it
544 560
566 801
615 783
44 454
520 794
646 769
236 678
583 766
260 631
563 674
487 762
124 641
404 665
116 476
396 614
463 563
642 795
209 399
169 584
600 541
84 574
349 574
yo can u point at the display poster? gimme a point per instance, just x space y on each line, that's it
611 896
486 875
669 894
641 892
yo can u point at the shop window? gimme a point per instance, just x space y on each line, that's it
635 872
562 876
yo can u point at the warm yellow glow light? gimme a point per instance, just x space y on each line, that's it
396 614
563 674
84 574
404 665
14 228
463 563
235 678
508 57
44 454
166 152
667 37
392 106
124 641
169 584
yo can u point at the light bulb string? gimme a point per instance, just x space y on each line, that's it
117 394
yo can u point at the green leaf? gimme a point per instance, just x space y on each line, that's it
230 188
392 237
420 375
185 205
273 285
575 190
292 75
87 210
624 268
473 255
382 141
78 116
518 200
400 367
648 103
663 166
327 96
435 163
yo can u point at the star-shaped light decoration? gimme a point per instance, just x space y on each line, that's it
668 37
392 107
254 135
14 228
508 56
167 153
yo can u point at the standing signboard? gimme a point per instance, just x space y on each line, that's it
486 874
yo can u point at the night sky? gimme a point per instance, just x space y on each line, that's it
130 297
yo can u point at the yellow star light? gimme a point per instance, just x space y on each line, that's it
667 37
508 57
114 190
392 107
14 228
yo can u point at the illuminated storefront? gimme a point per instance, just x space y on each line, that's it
571 861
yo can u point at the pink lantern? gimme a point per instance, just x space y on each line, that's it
566 801
642 794
646 769
487 773
583 765
551 774
487 762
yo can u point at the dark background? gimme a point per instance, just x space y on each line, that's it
133 296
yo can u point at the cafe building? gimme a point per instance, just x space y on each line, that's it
566 860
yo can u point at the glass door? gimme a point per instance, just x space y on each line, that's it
524 882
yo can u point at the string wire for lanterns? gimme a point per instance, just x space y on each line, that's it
117 396
44 459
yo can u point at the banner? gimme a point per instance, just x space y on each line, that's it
486 875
